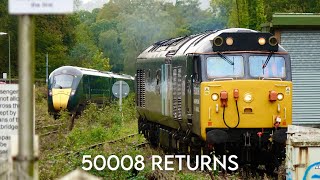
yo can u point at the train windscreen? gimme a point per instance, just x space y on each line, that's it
62 81
225 66
262 66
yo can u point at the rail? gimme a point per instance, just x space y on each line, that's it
76 152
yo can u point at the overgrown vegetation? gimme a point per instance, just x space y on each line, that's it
94 133
62 152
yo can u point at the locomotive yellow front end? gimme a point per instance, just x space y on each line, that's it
60 98
245 98
264 105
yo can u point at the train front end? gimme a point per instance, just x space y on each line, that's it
246 97
62 90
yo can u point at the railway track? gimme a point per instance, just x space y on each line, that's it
104 143
109 142
48 133
50 126
53 127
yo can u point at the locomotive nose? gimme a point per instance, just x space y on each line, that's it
60 98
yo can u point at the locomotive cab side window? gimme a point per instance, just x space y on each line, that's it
217 67
274 68
196 69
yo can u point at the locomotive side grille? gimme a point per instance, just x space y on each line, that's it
174 93
177 94
141 89
138 88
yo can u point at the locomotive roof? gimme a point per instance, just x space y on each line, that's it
74 70
197 43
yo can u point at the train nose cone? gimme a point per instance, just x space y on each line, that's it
60 98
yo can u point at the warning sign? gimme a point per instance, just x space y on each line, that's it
9 104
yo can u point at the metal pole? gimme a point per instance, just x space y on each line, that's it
25 156
120 96
47 71
9 59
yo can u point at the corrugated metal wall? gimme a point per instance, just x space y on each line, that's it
304 49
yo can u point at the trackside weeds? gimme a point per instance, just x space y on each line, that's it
62 152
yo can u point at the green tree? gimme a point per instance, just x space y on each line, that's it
55 36
9 25
98 62
239 16
82 52
147 24
252 13
290 6
109 42
122 29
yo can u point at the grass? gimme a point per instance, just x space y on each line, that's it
62 152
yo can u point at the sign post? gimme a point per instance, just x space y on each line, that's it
25 157
120 89
26 51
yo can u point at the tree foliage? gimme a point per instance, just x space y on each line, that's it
113 36
125 28
8 25
252 13
107 38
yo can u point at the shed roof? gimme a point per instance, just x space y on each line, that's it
295 19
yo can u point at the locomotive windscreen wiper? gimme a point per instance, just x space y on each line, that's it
225 58
267 60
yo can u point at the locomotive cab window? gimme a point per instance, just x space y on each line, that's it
62 81
218 67
260 67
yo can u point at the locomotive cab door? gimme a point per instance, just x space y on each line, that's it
189 88
192 78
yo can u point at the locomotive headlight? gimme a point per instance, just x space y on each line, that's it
73 92
247 98
280 96
215 96
262 41
229 41
50 93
